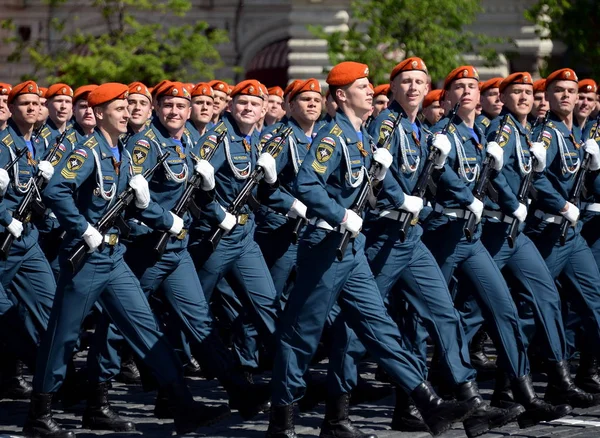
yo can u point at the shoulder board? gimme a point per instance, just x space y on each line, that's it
150 134
550 124
452 128
485 122
220 127
91 142
72 137
510 122
336 130
7 140
45 132
187 132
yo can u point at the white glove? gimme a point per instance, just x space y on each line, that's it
177 224
383 157
352 223
297 209
205 169
4 181
412 204
92 238
142 193
591 147
267 162
494 150
476 207
442 144
572 213
538 150
520 213
47 169
229 222
15 228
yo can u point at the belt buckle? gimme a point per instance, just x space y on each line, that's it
242 219
182 234
113 239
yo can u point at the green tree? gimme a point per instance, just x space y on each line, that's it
126 50
575 23
384 32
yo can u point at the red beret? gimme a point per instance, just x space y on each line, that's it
107 92
290 87
189 86
28 87
58 90
158 87
462 72
43 91
249 87
173 89
220 86
539 86
346 73
4 88
276 91
489 84
588 86
83 91
264 89
432 96
139 88
409 64
521 77
202 89
381 89
564 74
311 84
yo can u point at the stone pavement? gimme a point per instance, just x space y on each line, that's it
137 406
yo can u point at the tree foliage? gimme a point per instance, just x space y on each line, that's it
125 50
384 32
576 24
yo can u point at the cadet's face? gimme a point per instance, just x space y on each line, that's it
490 102
246 110
466 91
25 109
43 110
139 109
562 96
409 88
540 105
173 112
330 106
434 113
4 112
518 99
84 115
357 96
306 107
585 104
113 117
202 109
60 108
275 107
220 101
381 103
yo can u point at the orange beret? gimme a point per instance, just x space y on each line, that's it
489 84
311 84
588 86
83 91
346 73
158 87
189 86
202 89
27 87
58 90
173 89
409 64
219 86
264 89
43 91
290 87
276 91
539 86
139 88
564 74
381 89
4 88
462 72
229 90
249 87
107 92
521 77
432 96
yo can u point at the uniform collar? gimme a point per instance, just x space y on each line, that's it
233 132
558 124
523 130
298 131
348 130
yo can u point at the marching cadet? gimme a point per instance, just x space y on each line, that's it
220 95
275 111
286 96
432 109
586 104
565 152
4 112
261 121
523 260
84 120
490 103
445 237
87 183
381 99
540 104
59 101
328 183
140 107
202 110
41 121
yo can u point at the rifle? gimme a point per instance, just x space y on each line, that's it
523 194
242 197
107 221
578 186
421 187
482 183
31 202
186 200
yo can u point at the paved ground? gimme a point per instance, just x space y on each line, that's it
137 406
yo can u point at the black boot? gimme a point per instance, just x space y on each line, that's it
561 388
99 415
39 422
336 423
192 368
248 398
502 396
281 422
479 359
316 392
129 374
437 413
536 409
13 385
485 417
587 377
162 406
407 417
